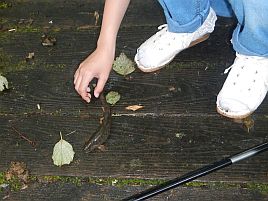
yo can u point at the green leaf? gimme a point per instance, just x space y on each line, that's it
3 83
63 152
123 65
112 97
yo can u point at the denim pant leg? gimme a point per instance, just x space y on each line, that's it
251 34
185 16
222 8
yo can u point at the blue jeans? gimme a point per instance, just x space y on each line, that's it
251 34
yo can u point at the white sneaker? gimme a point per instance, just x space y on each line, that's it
163 46
245 87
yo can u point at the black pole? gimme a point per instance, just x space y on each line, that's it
198 173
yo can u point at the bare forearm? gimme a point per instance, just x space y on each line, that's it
99 63
114 11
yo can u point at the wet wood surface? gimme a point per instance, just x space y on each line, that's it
177 131
85 192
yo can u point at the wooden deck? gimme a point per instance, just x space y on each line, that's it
143 147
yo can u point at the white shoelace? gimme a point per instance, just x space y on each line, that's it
245 59
162 26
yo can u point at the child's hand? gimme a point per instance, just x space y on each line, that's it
96 65
99 63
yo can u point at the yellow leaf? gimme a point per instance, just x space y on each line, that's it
134 107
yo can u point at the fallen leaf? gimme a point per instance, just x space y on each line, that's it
134 107
4 185
17 170
101 147
48 41
112 97
3 83
30 56
171 88
84 27
248 123
12 30
180 135
101 120
63 152
97 16
123 65
6 196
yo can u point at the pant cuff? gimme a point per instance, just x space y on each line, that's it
240 48
174 26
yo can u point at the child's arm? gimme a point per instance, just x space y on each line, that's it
99 63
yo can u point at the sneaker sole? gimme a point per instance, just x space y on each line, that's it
223 113
193 43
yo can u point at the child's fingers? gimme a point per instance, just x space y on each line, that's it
83 87
77 83
87 98
75 76
100 85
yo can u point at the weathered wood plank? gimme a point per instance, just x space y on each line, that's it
195 74
192 93
139 147
92 192
55 93
77 13
73 14
73 46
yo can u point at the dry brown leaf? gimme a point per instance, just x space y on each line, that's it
84 27
248 123
19 170
48 41
101 147
134 107
171 88
30 56
97 16
101 120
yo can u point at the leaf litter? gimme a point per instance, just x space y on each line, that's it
247 123
96 16
3 83
19 171
48 41
30 56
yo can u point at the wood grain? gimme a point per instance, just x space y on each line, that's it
61 192
139 147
